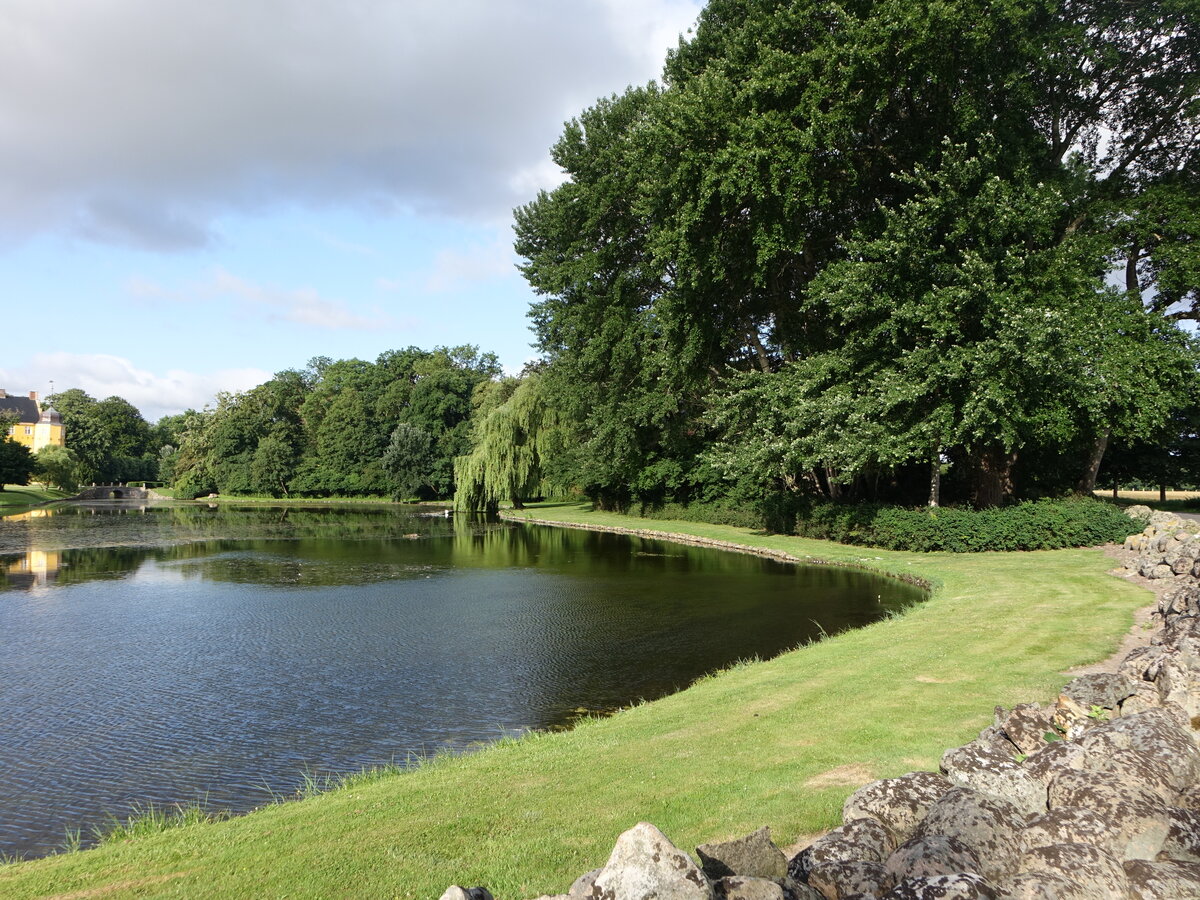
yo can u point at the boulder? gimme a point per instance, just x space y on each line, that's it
1041 886
582 887
1155 735
454 892
1134 767
1183 836
1070 825
898 803
987 826
959 886
1141 663
1058 757
753 856
1163 880
1025 726
1146 697
644 865
993 773
1138 816
836 880
933 854
1098 873
858 839
736 887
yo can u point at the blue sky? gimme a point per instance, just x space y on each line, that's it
194 196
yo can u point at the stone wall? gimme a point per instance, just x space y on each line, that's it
1094 797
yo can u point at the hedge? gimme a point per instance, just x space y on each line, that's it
1033 525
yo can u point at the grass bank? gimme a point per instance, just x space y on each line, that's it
777 743
22 496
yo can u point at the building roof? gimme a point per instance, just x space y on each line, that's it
26 408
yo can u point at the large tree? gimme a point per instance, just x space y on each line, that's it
714 226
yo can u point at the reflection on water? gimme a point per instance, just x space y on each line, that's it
175 653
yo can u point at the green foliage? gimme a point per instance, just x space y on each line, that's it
409 459
109 438
57 467
861 244
511 441
326 430
1035 525
16 463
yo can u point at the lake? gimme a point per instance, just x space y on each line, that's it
184 653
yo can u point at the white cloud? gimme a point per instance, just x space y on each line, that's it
304 306
481 262
103 375
141 122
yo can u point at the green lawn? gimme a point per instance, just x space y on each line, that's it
22 496
777 743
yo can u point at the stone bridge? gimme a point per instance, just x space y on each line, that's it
115 492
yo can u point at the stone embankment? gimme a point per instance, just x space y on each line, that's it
1094 797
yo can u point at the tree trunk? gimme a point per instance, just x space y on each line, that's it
1116 490
835 489
992 476
1162 493
1087 483
935 480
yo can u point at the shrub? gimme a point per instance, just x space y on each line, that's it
1033 525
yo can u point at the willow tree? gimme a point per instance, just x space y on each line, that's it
512 441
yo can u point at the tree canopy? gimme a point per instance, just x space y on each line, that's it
848 247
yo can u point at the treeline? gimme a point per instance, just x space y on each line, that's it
876 251
390 428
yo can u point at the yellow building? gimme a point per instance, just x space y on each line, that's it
34 428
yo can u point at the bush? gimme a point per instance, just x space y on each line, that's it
1034 525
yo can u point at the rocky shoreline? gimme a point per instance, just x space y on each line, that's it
1094 797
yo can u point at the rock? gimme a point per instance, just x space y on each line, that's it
1097 872
1183 565
1179 685
1135 768
1189 798
898 803
1083 702
1162 570
736 887
959 886
1138 511
1138 816
1060 756
454 892
992 773
934 854
836 880
644 865
1146 697
1041 886
1070 825
1183 836
1026 726
583 885
1165 880
988 826
753 856
1157 736
1141 663
859 839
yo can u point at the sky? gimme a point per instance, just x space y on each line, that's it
194 196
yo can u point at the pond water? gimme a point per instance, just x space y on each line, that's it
180 653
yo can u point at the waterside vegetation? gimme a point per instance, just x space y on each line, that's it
779 742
